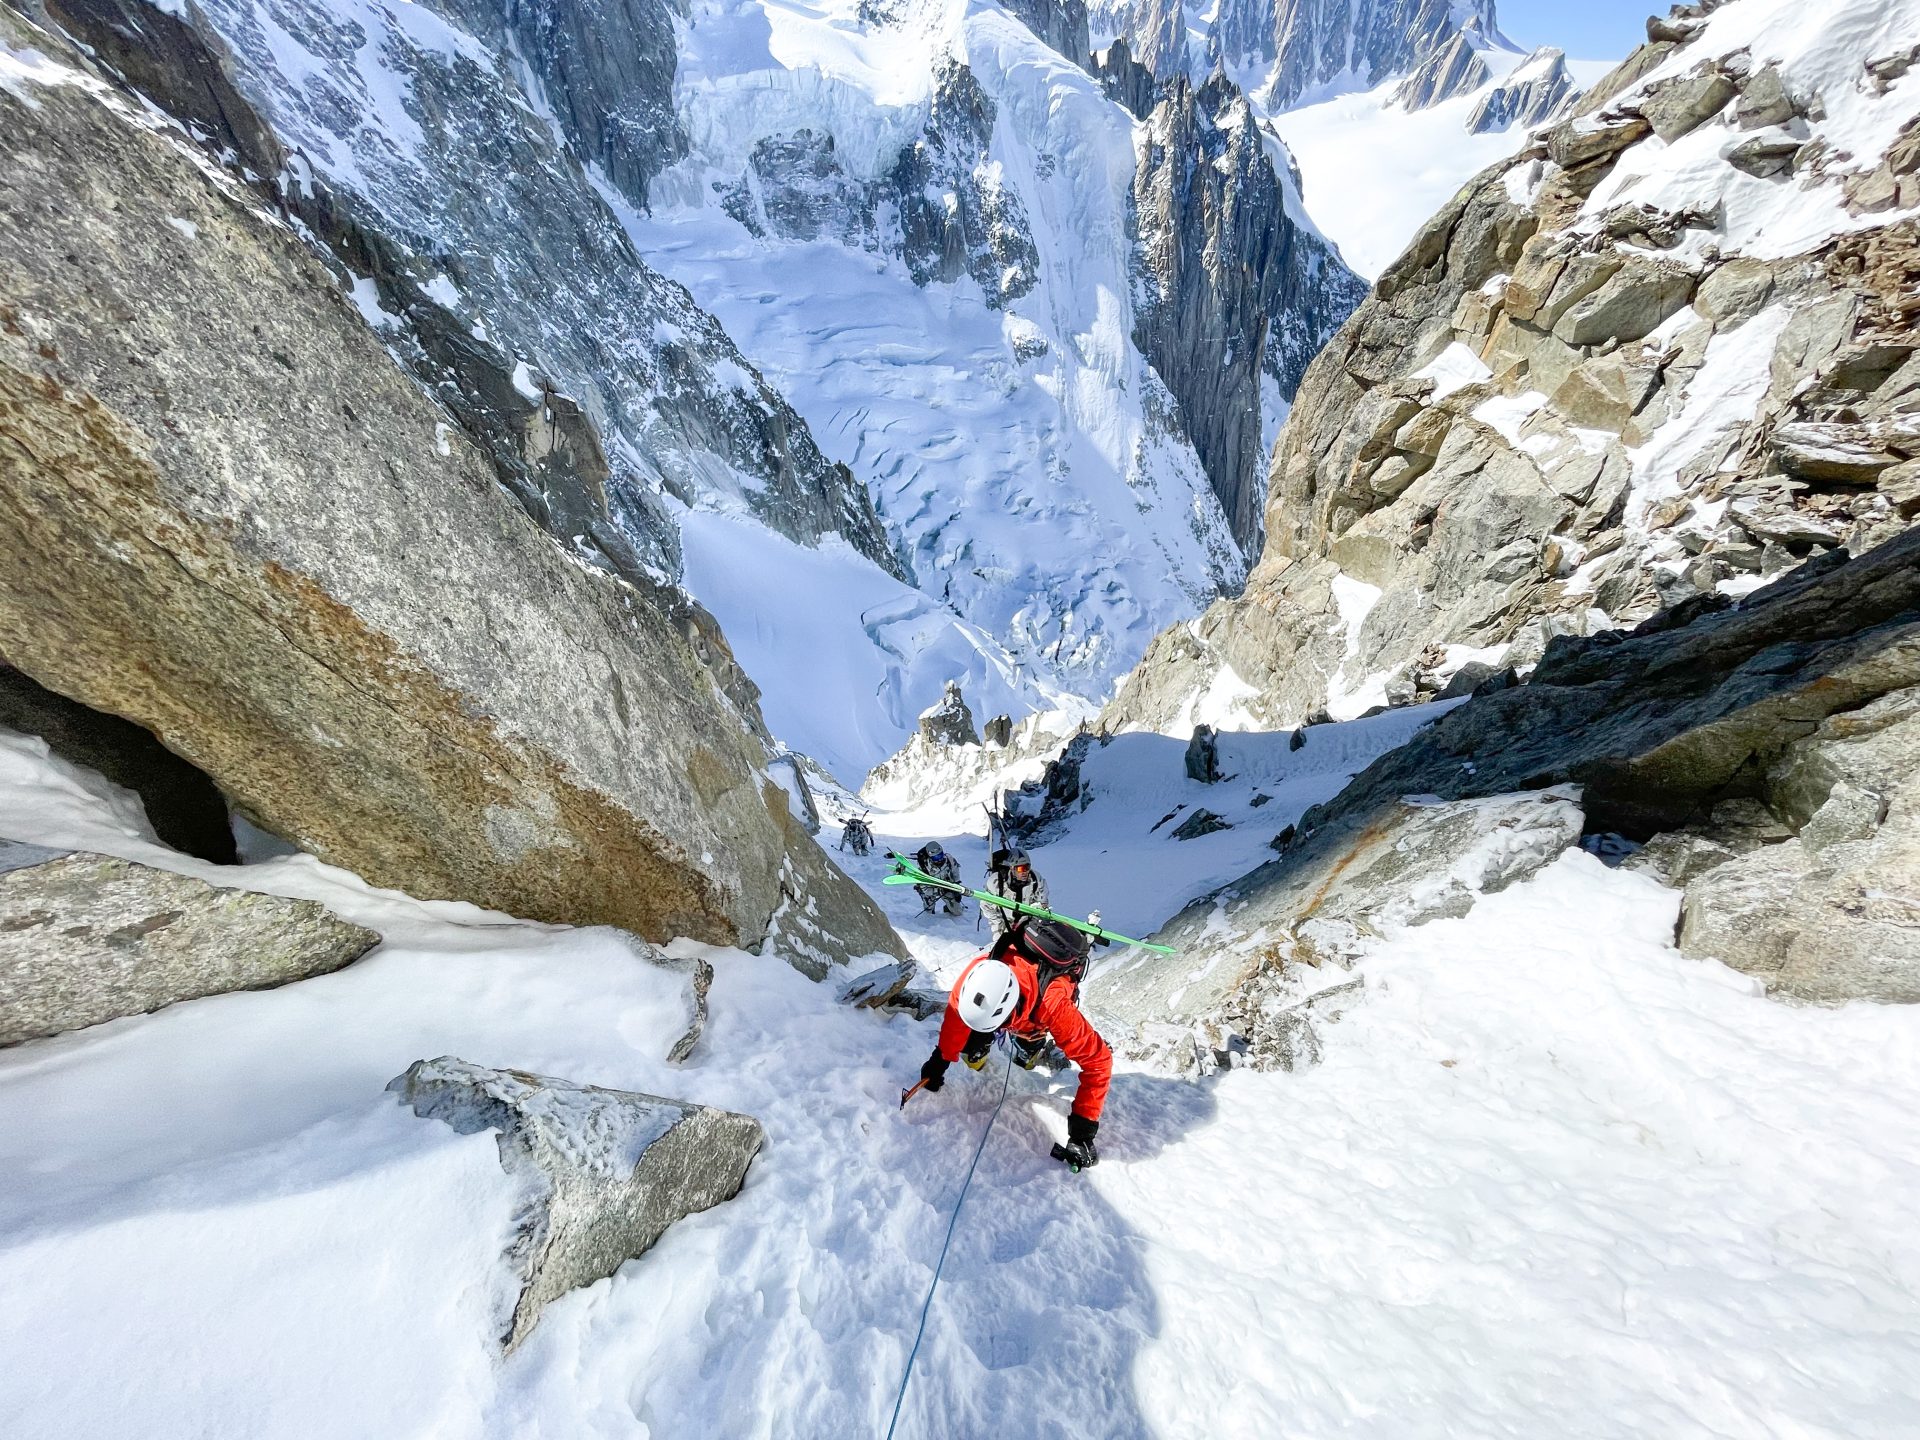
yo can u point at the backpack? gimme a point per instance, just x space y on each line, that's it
1057 952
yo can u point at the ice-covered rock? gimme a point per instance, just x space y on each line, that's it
605 1171
87 938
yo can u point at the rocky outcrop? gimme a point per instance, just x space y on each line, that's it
1238 291
603 1172
948 721
1566 409
1454 69
956 217
1829 911
1241 951
599 389
89 938
186 809
1765 751
1533 92
228 517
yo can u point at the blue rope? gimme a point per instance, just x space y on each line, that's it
928 1304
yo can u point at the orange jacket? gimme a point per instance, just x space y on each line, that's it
1057 1015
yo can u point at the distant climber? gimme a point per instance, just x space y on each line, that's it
936 862
1010 875
1028 984
855 835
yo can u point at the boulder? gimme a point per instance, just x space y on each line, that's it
1687 101
459 709
1764 100
1764 155
1628 306
87 938
878 989
1734 292
1606 391
1845 453
1581 141
1201 822
604 1172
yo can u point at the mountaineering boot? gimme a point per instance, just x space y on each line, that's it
1029 1054
979 1046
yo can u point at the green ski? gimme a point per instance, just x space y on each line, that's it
905 872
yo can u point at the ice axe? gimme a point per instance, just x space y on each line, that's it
910 1092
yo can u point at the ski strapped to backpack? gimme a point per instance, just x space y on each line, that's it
905 872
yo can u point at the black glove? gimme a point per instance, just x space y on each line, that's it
934 1072
1080 1150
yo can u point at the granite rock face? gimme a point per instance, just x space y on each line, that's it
89 938
1832 912
1296 46
1453 69
1533 92
1766 752
605 1171
1237 294
598 388
208 460
1522 432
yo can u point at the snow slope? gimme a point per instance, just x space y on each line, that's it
1019 452
1551 1179
1374 173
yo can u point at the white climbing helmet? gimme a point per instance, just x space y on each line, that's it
988 995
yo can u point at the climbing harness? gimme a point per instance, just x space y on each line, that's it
919 1334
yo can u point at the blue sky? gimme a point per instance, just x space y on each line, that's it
1585 29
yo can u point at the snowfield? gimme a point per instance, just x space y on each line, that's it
1552 1179
1022 453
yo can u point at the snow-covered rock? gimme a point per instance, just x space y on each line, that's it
1242 952
949 721
88 938
1290 49
603 1172
1532 93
